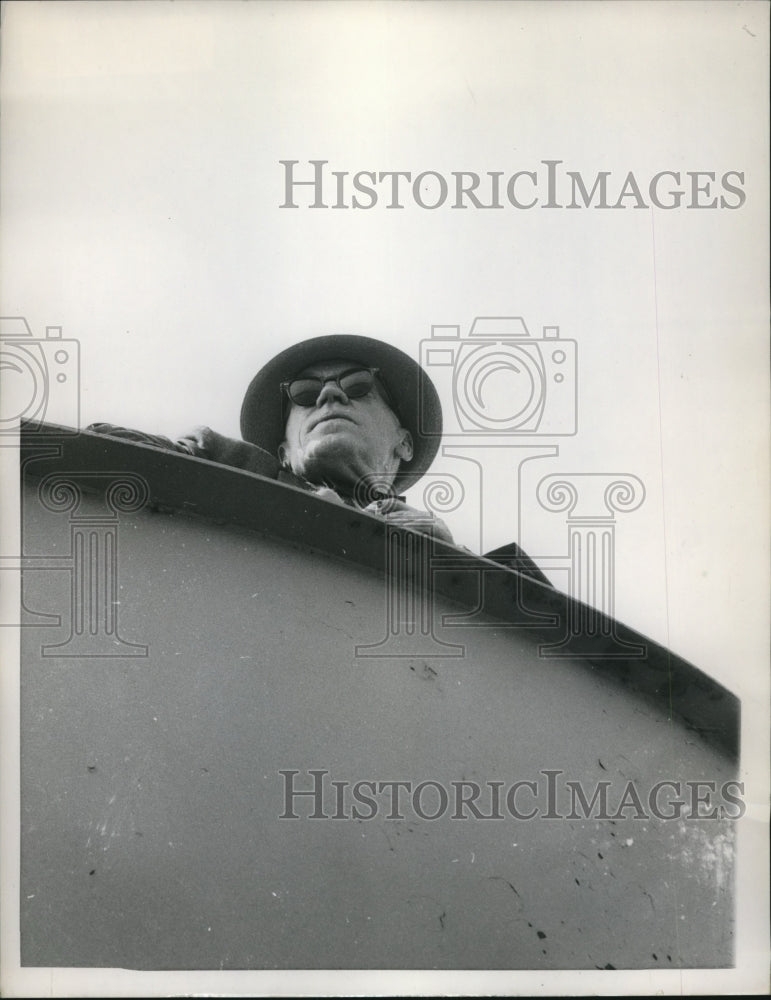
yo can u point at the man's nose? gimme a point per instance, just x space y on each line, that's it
331 393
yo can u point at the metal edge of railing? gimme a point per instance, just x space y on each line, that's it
194 487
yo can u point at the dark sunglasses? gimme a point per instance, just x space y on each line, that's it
355 383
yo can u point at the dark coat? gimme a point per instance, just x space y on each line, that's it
203 442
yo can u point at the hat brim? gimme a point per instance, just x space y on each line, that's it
412 391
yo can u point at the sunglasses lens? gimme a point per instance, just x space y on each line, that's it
305 391
356 384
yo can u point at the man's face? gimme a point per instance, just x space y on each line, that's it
339 440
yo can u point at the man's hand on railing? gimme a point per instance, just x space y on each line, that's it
398 512
201 442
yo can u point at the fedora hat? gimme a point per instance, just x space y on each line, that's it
410 388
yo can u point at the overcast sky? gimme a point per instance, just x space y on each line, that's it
141 187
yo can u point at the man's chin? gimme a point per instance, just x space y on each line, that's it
329 461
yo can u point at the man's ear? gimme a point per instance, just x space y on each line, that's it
282 459
404 449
